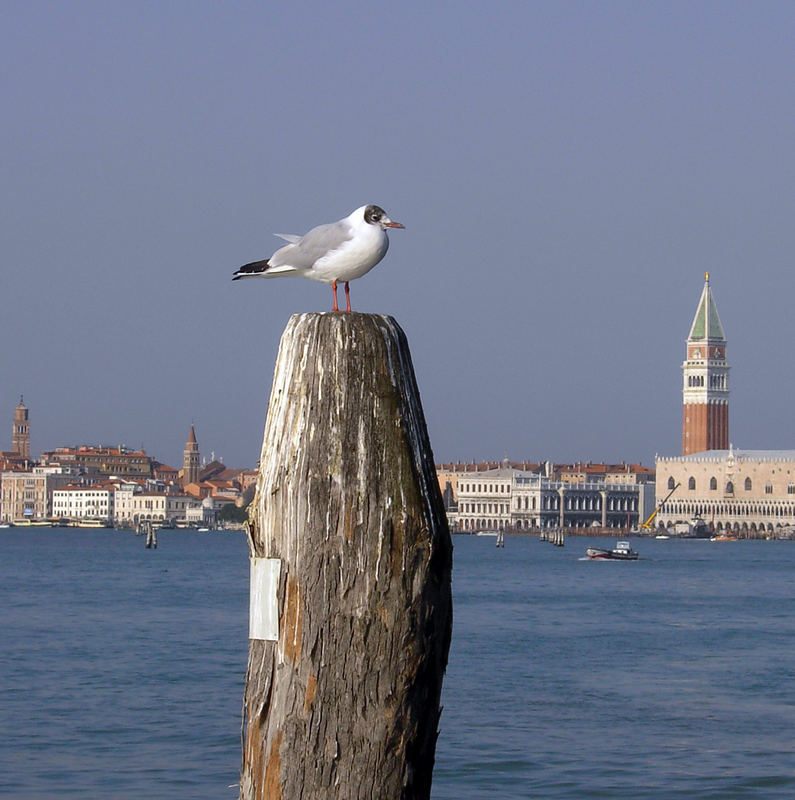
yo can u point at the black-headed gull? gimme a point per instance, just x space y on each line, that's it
338 251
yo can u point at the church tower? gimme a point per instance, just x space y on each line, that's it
705 417
190 459
20 432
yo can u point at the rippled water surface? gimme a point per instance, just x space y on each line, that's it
122 669
671 676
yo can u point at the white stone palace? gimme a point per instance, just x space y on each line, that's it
749 492
506 498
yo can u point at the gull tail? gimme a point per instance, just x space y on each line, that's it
253 270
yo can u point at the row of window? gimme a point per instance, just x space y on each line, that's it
502 488
713 485
551 503
484 508
774 509
715 381
500 524
80 503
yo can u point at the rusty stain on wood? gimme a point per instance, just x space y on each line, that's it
252 777
311 692
271 785
292 620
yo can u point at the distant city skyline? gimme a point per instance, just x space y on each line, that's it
705 310
699 382
34 454
207 457
566 174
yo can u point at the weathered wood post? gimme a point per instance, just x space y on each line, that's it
354 615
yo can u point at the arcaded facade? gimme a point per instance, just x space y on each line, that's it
751 492
508 498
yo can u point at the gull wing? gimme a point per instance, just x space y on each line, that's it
303 253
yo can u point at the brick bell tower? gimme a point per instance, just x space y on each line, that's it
705 391
190 459
20 433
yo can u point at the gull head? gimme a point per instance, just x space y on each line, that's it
375 215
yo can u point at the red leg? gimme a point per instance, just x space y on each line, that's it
348 296
334 290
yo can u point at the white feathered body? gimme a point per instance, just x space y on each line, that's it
339 251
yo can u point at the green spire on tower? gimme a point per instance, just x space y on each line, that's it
706 323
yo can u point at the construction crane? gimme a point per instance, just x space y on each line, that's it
649 523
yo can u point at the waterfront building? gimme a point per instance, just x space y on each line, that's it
120 462
148 506
204 514
448 475
177 506
20 432
484 500
705 389
515 499
123 502
156 506
28 495
76 502
190 459
748 492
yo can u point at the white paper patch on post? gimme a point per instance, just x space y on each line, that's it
263 616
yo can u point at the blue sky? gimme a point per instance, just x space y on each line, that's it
566 172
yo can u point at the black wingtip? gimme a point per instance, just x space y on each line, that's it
250 270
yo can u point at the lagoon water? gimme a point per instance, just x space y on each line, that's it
122 669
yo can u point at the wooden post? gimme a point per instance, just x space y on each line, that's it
343 701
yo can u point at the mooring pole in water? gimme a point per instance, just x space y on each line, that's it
149 529
351 609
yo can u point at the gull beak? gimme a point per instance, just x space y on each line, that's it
387 223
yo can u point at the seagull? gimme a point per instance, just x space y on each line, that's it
337 251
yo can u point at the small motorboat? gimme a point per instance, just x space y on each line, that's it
621 552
